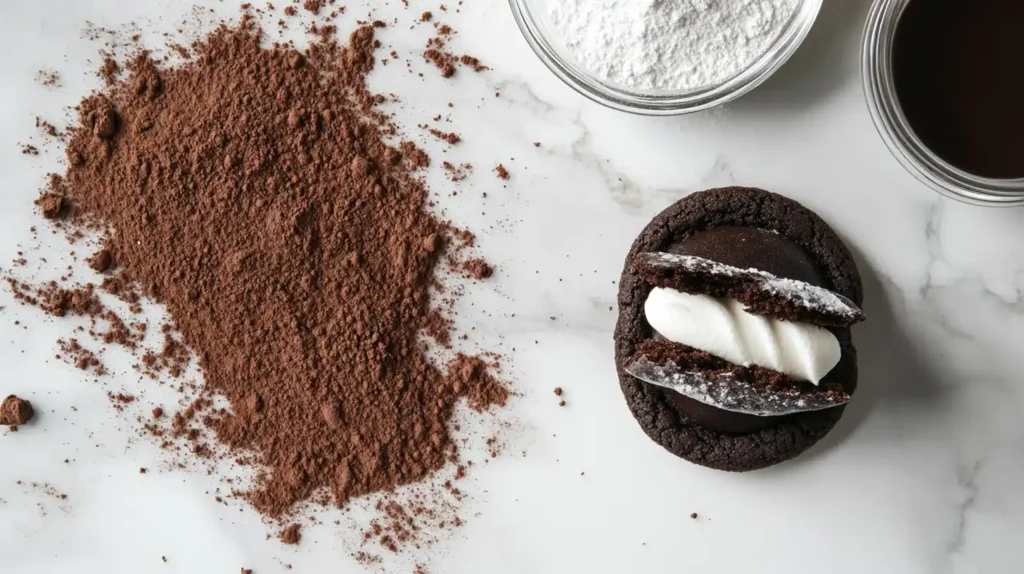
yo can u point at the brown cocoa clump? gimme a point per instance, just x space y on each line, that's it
502 172
477 269
109 71
252 192
292 534
51 205
15 411
102 261
444 61
451 138
473 62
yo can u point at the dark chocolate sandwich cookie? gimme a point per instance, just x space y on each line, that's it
733 344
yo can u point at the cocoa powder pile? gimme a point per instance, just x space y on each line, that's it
251 191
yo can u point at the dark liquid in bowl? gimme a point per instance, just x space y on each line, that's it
958 67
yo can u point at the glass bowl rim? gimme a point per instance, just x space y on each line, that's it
895 131
667 102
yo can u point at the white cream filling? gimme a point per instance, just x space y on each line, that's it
723 328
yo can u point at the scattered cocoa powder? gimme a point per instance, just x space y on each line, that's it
49 78
58 301
303 286
693 515
122 398
292 534
502 172
457 173
48 128
29 150
426 16
15 411
437 54
558 391
451 138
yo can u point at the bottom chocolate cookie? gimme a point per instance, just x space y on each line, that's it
745 228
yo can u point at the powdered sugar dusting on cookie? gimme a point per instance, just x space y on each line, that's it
724 391
797 293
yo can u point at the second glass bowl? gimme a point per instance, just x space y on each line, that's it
892 124
533 21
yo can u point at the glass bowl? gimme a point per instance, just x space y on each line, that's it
892 124
533 21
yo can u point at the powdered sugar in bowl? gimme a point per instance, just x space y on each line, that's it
664 57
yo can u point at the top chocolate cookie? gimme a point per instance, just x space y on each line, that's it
737 260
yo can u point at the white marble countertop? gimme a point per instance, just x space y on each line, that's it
921 476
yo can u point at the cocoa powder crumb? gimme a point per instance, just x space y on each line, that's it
502 172
451 138
442 61
15 411
558 391
109 71
477 269
693 516
291 534
473 62
426 16
101 261
29 150
51 205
